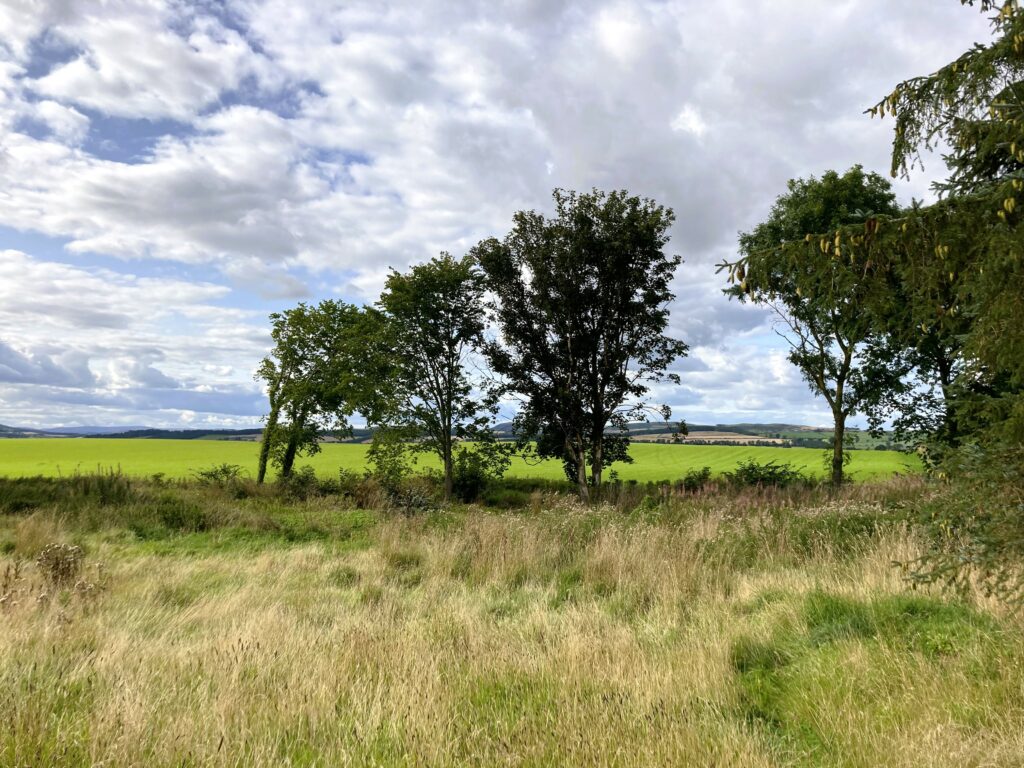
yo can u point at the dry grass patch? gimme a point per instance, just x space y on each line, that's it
563 636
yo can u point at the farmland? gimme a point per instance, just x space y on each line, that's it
178 459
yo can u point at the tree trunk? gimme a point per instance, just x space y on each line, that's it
580 457
289 454
448 479
268 436
949 420
597 465
837 448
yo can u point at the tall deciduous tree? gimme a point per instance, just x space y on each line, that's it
819 292
436 313
581 303
319 372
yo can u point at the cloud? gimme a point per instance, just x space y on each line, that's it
66 123
80 339
70 369
270 150
144 60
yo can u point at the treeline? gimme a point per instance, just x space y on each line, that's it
565 314
912 316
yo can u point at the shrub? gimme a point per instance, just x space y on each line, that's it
301 484
413 497
389 458
219 474
696 479
179 514
974 528
29 493
476 469
105 488
753 473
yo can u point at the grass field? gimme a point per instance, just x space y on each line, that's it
742 630
180 458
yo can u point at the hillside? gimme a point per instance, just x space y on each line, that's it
782 435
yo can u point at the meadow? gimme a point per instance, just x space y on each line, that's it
167 624
182 458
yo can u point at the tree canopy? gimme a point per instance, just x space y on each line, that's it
819 294
319 372
581 304
437 320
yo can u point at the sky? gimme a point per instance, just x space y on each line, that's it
171 172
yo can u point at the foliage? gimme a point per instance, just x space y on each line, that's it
769 473
301 484
696 479
436 315
975 528
322 369
223 474
973 236
581 303
476 468
820 294
388 457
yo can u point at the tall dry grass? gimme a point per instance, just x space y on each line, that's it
559 636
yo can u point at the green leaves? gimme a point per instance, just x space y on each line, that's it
435 314
581 302
813 265
320 371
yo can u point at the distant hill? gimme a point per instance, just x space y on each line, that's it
6 431
93 431
151 433
653 431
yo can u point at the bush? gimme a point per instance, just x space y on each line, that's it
179 514
696 479
389 458
417 494
974 528
770 473
301 484
25 494
219 474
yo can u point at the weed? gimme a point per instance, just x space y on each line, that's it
60 564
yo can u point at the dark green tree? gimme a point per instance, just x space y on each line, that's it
970 243
821 294
580 301
971 238
919 328
321 370
436 313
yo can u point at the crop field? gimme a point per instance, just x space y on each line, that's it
147 623
181 458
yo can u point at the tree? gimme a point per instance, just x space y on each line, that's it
581 303
974 106
437 316
919 326
318 374
819 293
974 239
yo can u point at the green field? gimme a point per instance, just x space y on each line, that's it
180 458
